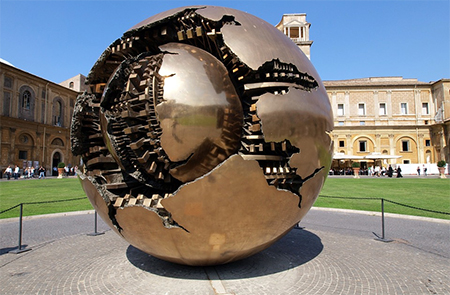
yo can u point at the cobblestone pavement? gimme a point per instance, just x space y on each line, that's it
334 252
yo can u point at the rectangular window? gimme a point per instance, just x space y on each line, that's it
362 123
341 123
341 143
7 83
361 109
340 110
405 161
363 146
404 108
22 155
42 112
425 110
294 32
382 109
405 145
427 142
6 103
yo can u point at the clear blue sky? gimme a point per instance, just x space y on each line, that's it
57 40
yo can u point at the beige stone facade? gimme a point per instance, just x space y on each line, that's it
35 118
77 83
383 120
389 116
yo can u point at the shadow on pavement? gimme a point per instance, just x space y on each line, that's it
296 248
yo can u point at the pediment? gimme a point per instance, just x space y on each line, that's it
294 23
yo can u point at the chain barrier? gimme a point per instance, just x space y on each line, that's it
380 238
55 201
9 209
386 200
21 249
41 202
417 208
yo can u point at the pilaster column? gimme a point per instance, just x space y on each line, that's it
417 105
392 148
420 148
347 104
389 103
12 151
377 143
376 106
349 144
335 141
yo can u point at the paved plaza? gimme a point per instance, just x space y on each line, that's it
333 252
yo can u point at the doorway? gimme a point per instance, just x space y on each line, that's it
55 161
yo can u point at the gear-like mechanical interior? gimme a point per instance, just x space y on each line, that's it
181 94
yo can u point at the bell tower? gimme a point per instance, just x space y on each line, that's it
295 26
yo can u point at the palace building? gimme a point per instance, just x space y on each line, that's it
377 121
383 120
35 118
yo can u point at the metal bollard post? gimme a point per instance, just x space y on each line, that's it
382 238
19 247
95 233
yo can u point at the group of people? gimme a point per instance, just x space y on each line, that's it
371 171
28 172
382 171
424 170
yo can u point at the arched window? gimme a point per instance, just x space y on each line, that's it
71 85
58 112
428 158
26 103
26 99
57 141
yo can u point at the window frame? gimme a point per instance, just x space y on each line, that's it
341 109
427 108
382 111
406 143
363 109
362 143
404 110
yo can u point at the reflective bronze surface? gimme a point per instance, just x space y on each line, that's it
205 137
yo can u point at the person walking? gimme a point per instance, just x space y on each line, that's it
8 172
16 172
418 170
425 170
41 172
399 172
390 171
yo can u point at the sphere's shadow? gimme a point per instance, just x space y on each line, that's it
296 248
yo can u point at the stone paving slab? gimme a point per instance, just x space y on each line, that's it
305 261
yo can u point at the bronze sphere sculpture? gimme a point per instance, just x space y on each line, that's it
205 136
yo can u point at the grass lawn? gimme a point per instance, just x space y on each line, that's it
14 192
428 193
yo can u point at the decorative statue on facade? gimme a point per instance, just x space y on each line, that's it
205 137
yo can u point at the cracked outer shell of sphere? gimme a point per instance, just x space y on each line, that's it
205 136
